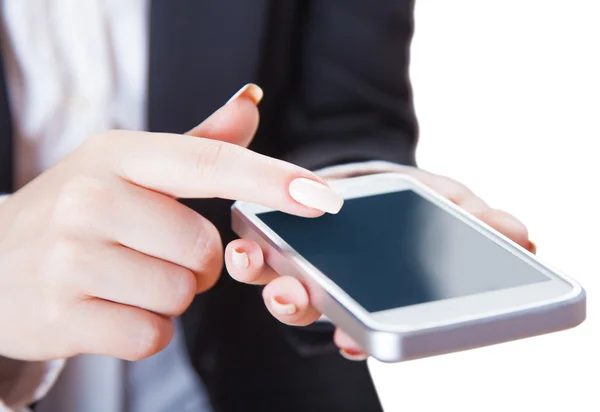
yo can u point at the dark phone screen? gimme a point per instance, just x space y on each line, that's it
399 249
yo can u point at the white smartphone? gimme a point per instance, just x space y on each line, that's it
408 274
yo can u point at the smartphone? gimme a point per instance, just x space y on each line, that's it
408 274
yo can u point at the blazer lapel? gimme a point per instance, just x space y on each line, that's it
201 52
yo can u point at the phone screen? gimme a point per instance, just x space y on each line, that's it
399 249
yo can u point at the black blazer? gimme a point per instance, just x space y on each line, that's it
335 76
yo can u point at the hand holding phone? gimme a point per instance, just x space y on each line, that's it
408 274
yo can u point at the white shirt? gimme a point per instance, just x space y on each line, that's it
75 68
78 67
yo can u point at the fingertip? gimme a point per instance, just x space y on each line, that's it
240 259
349 349
244 260
344 341
532 247
316 195
355 356
283 291
282 307
288 301
249 91
235 122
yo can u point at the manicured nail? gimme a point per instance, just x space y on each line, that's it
279 306
532 247
353 355
316 195
251 91
240 259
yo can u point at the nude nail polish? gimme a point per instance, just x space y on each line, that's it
316 195
281 308
532 247
251 91
353 355
240 259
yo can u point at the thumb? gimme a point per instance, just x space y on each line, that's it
235 122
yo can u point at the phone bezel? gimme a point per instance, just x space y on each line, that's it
432 314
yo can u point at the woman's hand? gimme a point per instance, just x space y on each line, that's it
287 299
97 255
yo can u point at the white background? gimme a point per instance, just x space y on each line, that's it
507 94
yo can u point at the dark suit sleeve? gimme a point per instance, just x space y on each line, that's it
351 99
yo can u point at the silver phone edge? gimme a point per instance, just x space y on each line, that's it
394 346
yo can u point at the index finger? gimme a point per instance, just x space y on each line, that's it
190 167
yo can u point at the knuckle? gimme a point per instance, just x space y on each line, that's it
205 246
60 267
210 276
460 189
185 291
63 263
452 189
79 202
209 157
55 314
154 335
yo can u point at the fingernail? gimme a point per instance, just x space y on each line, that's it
353 355
316 195
532 247
240 259
251 91
279 306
